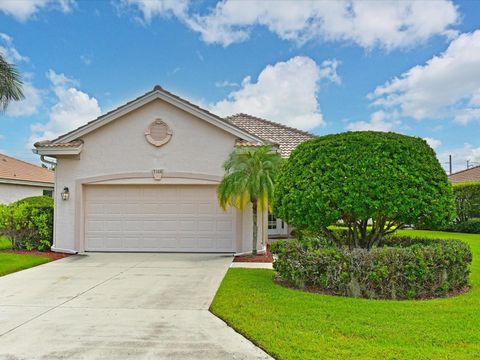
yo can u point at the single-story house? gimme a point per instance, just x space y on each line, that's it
20 179
143 177
467 175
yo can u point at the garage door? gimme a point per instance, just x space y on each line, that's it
183 218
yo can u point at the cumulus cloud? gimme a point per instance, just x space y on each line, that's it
460 156
388 24
22 10
434 143
379 121
8 50
29 105
72 109
284 92
446 86
151 8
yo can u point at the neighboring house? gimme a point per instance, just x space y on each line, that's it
20 179
143 177
472 174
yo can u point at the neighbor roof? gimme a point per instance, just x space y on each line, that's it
287 138
472 174
18 170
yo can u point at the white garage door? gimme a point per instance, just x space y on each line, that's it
157 218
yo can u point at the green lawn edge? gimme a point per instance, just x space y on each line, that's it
291 324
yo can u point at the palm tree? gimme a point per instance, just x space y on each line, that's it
10 83
249 178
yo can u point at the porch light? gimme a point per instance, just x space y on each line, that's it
65 193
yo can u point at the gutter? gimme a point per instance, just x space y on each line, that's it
43 159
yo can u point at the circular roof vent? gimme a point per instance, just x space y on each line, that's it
158 133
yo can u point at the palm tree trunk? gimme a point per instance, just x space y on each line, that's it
255 228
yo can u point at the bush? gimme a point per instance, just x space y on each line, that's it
471 226
467 196
403 268
370 181
28 223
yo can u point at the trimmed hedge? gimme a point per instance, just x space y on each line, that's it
28 223
471 226
467 196
402 268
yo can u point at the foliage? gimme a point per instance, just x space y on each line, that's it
471 226
10 83
250 173
370 181
467 196
11 262
403 268
291 324
28 223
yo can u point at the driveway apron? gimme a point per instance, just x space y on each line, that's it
118 306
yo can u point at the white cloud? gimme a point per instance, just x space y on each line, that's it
72 109
151 8
434 143
284 92
8 50
447 86
460 156
387 24
29 105
379 121
22 10
226 83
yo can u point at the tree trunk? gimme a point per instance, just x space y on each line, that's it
255 228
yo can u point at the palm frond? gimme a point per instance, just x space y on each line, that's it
10 83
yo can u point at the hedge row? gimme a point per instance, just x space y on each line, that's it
403 268
467 196
28 223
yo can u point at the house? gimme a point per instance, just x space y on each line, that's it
143 177
20 179
467 175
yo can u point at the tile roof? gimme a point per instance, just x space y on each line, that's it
49 144
14 169
472 174
287 138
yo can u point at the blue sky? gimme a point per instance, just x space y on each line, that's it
409 67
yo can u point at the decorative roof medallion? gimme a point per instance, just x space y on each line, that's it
158 133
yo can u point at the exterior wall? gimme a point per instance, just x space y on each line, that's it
13 192
120 147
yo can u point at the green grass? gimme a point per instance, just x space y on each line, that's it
10 262
291 324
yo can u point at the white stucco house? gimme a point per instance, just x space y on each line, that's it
20 179
143 177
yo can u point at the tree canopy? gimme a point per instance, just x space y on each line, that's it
372 182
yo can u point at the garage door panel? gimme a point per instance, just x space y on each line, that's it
157 218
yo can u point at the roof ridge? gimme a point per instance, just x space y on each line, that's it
25 162
303 132
461 171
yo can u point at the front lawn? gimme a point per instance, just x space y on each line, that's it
291 324
11 262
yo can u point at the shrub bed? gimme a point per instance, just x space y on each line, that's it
402 268
471 226
28 223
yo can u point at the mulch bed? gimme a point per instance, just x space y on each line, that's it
50 254
260 258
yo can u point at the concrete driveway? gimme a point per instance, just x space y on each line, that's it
118 306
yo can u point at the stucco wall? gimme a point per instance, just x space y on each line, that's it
119 147
12 192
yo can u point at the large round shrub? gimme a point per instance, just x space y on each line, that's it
373 182
403 268
28 223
